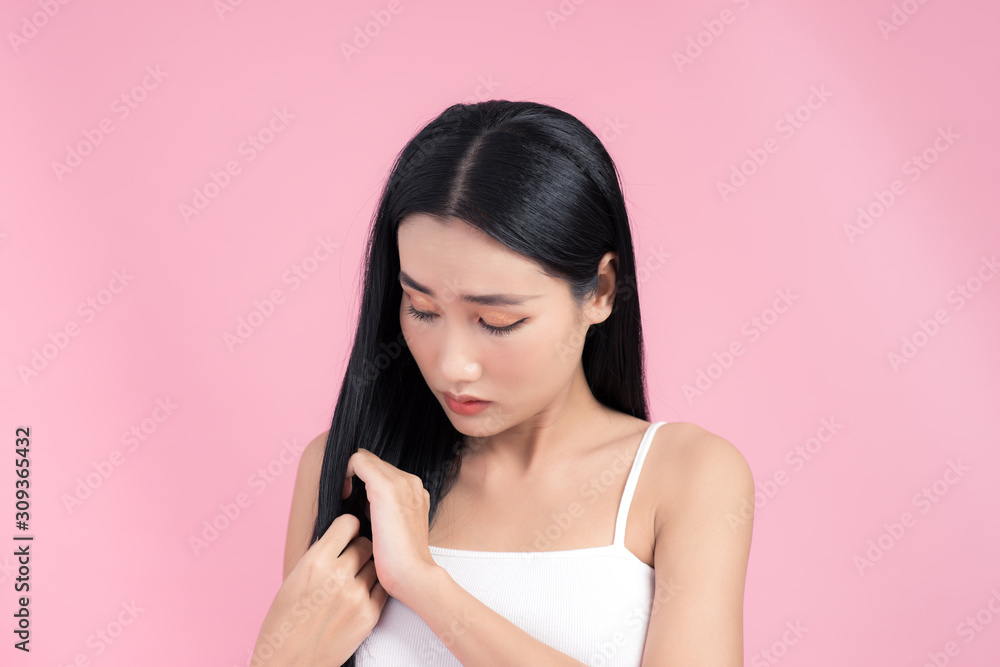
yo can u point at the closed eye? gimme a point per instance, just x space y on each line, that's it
496 331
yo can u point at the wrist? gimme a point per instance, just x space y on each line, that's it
424 587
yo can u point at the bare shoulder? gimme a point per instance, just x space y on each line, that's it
305 502
310 466
694 465
312 455
704 524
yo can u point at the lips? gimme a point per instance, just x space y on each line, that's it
463 398
465 408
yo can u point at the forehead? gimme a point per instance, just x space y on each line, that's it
435 250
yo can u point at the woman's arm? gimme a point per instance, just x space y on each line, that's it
305 499
704 522
398 505
474 633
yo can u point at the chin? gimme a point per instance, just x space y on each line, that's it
476 426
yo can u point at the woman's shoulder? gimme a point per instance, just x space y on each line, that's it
317 445
305 497
688 440
690 460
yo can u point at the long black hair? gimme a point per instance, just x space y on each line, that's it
539 181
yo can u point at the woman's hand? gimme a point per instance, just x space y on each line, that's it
327 605
398 506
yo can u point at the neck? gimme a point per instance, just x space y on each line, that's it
549 437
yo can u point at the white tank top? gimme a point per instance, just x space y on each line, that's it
592 604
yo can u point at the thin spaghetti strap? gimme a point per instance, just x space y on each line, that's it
630 483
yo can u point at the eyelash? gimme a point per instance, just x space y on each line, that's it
496 331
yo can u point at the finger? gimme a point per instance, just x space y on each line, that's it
341 531
379 595
364 464
356 553
367 574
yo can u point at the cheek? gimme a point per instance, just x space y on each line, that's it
415 336
548 354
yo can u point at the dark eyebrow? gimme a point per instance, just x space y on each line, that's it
481 299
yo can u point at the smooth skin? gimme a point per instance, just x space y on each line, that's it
541 438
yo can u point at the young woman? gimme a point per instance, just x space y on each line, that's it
490 491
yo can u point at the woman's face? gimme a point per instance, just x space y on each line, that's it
516 343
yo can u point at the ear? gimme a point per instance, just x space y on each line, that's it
599 308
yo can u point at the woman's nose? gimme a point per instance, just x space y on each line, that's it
458 363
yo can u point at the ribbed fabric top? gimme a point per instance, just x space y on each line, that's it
592 604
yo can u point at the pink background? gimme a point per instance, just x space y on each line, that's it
675 131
